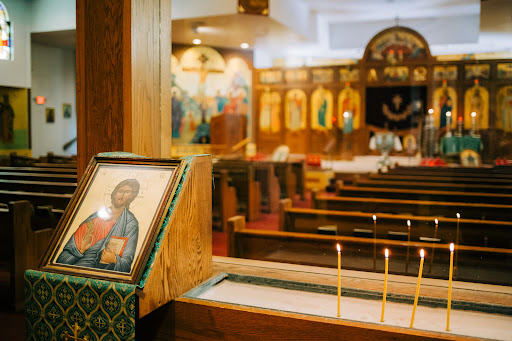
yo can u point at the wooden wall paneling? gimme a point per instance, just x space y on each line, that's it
185 257
202 320
123 62
164 26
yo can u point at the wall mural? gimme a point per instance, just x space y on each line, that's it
445 99
396 46
504 109
445 72
504 71
295 110
476 100
349 101
204 85
270 111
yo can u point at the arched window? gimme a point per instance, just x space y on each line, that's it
5 34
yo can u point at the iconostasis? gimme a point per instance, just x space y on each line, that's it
319 109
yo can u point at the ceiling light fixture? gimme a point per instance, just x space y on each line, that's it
244 45
196 41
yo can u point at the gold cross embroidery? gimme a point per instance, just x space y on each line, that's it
75 337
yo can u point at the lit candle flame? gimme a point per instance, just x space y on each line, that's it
452 247
338 247
346 114
448 113
386 253
422 253
473 114
430 111
436 221
458 215
374 217
409 223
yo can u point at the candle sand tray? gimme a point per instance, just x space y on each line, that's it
231 304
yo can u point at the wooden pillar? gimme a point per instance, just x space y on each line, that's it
123 67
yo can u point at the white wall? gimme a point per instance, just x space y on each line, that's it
53 15
54 77
184 9
16 72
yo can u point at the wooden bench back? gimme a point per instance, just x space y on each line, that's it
38 176
21 245
58 201
447 179
488 233
47 170
37 186
224 199
460 171
468 187
423 194
434 209
242 176
474 263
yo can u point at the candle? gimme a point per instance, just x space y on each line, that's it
339 277
473 121
448 120
457 240
422 254
408 242
374 242
385 285
449 306
433 249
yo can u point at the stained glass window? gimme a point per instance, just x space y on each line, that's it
5 34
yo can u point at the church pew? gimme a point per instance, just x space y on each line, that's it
447 179
55 165
47 170
478 264
429 195
38 186
242 176
58 201
38 176
434 209
433 186
16 160
476 232
500 170
22 245
290 180
224 201
299 168
59 159
265 174
457 174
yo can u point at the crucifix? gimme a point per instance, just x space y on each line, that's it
75 337
397 101
207 65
